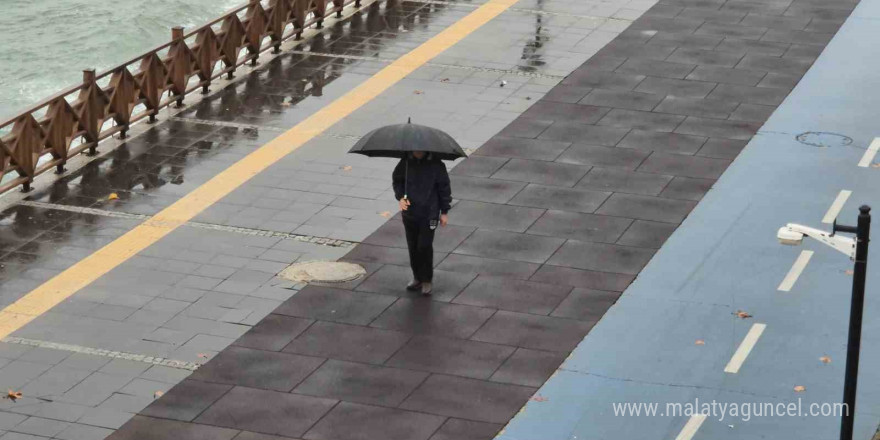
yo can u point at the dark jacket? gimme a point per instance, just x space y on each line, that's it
426 187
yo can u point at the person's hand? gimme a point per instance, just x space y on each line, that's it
444 219
404 204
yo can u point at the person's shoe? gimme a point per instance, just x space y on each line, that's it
414 285
426 288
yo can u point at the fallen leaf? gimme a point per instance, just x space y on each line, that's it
113 196
386 214
537 398
12 395
742 315
285 104
203 355
158 394
418 92
346 168
848 272
825 359
528 98
800 388
700 342
444 80
875 165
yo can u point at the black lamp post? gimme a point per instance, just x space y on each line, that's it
862 231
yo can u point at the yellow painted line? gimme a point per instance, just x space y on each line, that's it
81 274
868 157
745 348
835 208
690 428
795 272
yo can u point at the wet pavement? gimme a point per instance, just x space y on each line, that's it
595 149
90 363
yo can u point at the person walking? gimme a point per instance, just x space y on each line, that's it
421 187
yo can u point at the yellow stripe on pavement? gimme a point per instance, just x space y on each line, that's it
84 272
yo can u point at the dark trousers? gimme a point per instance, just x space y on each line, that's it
420 241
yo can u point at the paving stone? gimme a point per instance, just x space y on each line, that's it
351 421
602 257
484 189
748 94
536 149
109 418
603 80
528 367
323 303
466 264
711 15
257 369
273 333
474 399
708 108
566 199
54 382
41 427
681 25
797 37
513 295
125 403
646 208
20 436
641 120
804 51
532 331
494 216
95 389
562 93
348 342
186 400
355 382
737 130
752 112
730 31
392 280
603 62
143 387
482 166
676 87
458 429
584 134
726 75
44 356
559 111
547 173
704 57
745 46
780 81
687 166
617 180
634 50
622 99
424 316
774 22
655 68
647 234
124 367
664 142
248 435
577 226
684 40
603 156
67 412
146 428
392 234
451 356
586 304
370 254
509 246
164 374
267 412
84 432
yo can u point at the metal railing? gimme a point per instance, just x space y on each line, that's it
74 120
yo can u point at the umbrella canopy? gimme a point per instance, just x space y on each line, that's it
397 140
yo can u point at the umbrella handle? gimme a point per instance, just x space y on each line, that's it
405 175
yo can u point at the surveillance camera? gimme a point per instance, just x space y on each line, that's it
789 237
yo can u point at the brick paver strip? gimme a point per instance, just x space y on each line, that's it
633 138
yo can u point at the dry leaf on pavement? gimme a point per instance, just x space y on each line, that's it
800 388
700 342
444 80
12 395
742 315
538 398
848 272
113 196
386 214
203 355
825 359
158 394
418 92
346 168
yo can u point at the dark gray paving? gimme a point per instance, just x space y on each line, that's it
555 216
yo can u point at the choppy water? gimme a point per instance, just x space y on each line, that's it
45 44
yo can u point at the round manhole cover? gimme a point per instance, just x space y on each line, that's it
323 272
824 139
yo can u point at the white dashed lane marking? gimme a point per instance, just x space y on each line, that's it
795 271
745 348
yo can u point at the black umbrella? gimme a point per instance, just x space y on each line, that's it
397 140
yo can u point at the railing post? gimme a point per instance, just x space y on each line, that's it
177 34
89 79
